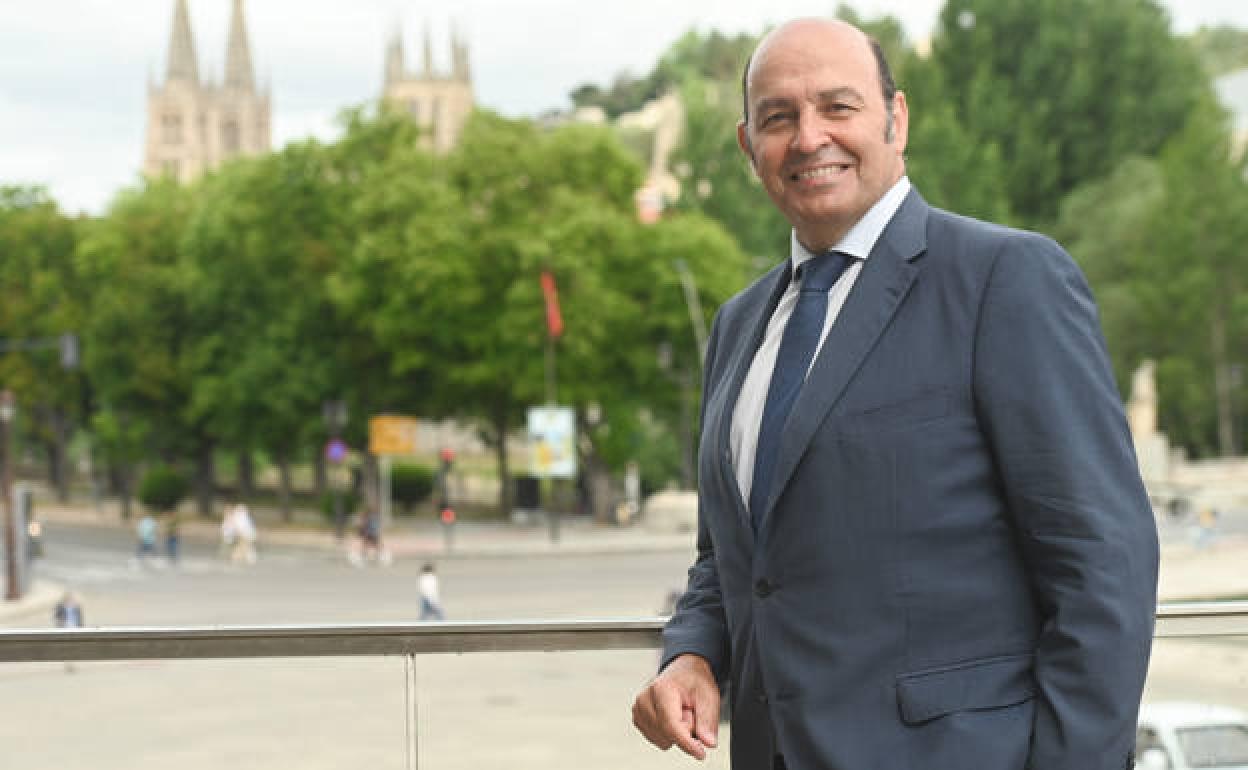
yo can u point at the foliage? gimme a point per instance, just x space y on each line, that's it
134 347
163 488
350 504
40 295
1063 102
1161 242
1222 48
410 484
717 180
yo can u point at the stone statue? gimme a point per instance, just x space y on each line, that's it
1142 407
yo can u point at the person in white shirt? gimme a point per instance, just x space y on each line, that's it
430 603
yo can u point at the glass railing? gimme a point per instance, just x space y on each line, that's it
446 695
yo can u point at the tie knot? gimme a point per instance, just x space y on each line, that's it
820 272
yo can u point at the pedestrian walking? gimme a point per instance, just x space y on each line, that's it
239 535
173 537
145 532
370 546
68 614
1206 526
430 602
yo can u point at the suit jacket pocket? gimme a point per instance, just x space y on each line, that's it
980 684
929 405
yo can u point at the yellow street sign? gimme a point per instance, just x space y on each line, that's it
390 435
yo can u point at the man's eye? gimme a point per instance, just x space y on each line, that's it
774 118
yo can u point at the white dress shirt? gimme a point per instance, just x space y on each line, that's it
858 243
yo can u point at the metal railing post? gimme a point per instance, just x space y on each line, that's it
412 715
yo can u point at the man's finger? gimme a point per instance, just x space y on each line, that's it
646 721
706 716
675 721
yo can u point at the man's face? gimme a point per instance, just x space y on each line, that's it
818 134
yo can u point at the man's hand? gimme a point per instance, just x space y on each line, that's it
680 706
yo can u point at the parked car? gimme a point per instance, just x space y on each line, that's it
1185 736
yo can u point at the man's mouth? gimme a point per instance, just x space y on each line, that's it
821 173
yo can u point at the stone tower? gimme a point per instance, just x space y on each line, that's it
193 125
440 102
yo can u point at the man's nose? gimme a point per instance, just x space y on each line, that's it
811 134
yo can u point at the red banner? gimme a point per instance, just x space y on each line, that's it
554 321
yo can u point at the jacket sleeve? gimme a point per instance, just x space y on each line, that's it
1048 403
698 624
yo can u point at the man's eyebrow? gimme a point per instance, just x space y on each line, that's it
844 93
772 102
841 93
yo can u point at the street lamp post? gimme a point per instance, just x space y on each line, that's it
8 410
681 376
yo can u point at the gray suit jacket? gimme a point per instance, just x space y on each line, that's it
957 566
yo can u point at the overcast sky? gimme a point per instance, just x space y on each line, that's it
73 73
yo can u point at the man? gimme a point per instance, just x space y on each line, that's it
923 542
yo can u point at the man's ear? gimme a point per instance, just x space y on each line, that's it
901 122
743 141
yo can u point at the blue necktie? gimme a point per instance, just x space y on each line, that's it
797 348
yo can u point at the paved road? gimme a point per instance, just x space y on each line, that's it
514 711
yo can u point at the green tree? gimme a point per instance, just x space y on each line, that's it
1162 244
137 337
1203 227
264 238
446 278
38 289
716 178
1066 89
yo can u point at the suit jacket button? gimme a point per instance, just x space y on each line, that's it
763 588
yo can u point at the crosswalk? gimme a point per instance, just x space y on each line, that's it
79 565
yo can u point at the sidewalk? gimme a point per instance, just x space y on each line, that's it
417 538
1188 573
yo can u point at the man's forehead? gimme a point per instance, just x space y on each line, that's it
807 46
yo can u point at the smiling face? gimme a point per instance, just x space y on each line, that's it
819 133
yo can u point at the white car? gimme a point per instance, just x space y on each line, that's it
1186 736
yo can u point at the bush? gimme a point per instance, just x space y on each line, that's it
163 488
350 502
411 484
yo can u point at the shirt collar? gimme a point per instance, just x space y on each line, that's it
861 238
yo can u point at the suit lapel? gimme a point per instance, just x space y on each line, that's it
885 280
756 325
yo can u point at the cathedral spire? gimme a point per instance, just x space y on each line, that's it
461 65
182 63
238 70
394 57
428 50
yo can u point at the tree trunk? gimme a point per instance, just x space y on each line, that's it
1222 382
320 474
58 475
246 474
284 488
370 496
205 479
123 477
504 473
599 489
